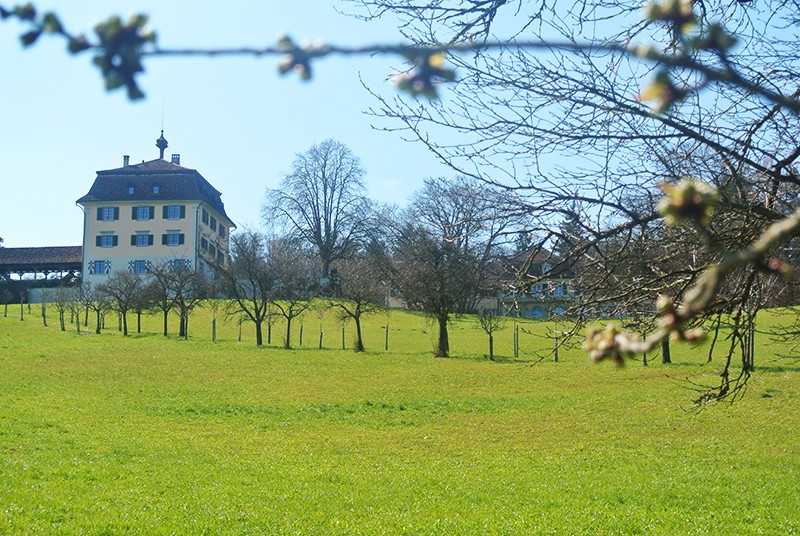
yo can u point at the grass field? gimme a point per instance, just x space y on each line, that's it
101 434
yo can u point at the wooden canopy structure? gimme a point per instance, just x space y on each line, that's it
44 260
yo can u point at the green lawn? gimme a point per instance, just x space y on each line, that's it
101 434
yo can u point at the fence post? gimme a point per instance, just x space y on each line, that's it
555 349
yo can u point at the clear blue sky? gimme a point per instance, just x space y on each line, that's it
235 120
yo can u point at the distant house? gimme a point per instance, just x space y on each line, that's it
543 286
143 215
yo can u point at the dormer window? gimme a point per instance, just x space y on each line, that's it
131 189
156 189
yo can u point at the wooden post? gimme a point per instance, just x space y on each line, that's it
516 340
386 338
301 335
343 345
214 330
555 349
240 328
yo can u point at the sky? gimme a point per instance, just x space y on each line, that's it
235 120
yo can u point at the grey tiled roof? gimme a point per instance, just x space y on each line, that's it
175 183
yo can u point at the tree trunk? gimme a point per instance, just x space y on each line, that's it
61 321
443 345
98 323
138 321
287 343
125 323
259 336
665 358
166 313
359 346
491 347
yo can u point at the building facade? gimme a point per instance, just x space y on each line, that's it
144 215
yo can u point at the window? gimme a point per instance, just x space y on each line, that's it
142 239
204 244
182 263
221 257
131 189
143 213
213 223
107 213
212 250
139 267
221 230
99 267
174 212
106 240
205 216
172 239
156 189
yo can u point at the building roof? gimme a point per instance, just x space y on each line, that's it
175 183
45 259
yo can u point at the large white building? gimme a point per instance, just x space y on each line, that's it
144 215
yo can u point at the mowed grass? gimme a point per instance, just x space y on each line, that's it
102 434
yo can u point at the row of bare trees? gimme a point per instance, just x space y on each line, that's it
171 286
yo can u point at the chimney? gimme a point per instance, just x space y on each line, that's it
176 159
126 160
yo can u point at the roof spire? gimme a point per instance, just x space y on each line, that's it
162 144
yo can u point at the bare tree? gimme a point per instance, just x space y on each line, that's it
121 291
359 291
322 202
190 288
248 279
294 283
160 290
90 299
442 250
60 298
490 323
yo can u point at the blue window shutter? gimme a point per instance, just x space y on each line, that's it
149 240
180 239
99 213
164 212
114 240
163 240
151 213
97 241
133 239
133 213
183 213
116 213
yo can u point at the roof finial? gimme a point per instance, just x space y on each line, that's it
162 144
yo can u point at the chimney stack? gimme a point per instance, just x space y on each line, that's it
176 159
126 160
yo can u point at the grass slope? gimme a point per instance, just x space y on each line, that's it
102 434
